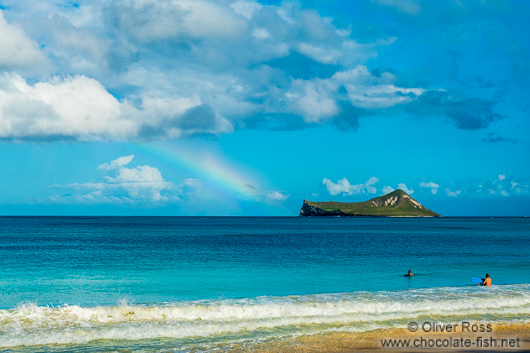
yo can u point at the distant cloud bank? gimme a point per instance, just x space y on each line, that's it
502 185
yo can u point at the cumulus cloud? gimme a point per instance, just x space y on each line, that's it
246 8
140 185
451 193
320 54
80 108
225 53
276 196
404 187
365 90
433 186
318 99
343 186
387 189
504 185
369 188
174 117
151 20
117 163
261 33
312 100
18 50
182 67
76 108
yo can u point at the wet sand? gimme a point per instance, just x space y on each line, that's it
506 337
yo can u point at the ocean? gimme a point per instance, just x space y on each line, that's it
203 284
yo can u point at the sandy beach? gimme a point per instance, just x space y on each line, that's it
503 337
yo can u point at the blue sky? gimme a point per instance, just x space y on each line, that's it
180 107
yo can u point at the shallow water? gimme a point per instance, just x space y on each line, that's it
200 284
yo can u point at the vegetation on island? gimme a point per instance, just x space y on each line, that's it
394 204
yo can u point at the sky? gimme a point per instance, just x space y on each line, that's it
246 108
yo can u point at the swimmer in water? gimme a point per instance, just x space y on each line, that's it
486 281
409 273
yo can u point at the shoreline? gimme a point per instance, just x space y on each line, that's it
514 336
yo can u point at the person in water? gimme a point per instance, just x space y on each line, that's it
409 273
486 281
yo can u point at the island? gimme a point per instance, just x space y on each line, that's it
394 204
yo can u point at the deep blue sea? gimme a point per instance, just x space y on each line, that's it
181 284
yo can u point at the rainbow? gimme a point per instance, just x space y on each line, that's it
206 166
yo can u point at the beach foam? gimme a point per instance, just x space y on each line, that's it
262 318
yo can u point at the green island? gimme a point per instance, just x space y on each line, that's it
394 204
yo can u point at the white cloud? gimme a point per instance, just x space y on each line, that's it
142 182
80 108
412 7
173 117
226 55
117 163
506 186
403 187
76 107
320 54
433 186
261 33
387 189
151 20
17 50
452 193
190 182
74 48
246 8
288 28
369 188
140 185
316 99
276 196
313 100
495 186
371 92
344 186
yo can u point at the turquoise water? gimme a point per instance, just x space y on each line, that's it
200 284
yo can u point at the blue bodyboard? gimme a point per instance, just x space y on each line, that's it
476 280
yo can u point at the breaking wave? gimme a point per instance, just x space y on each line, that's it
258 318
